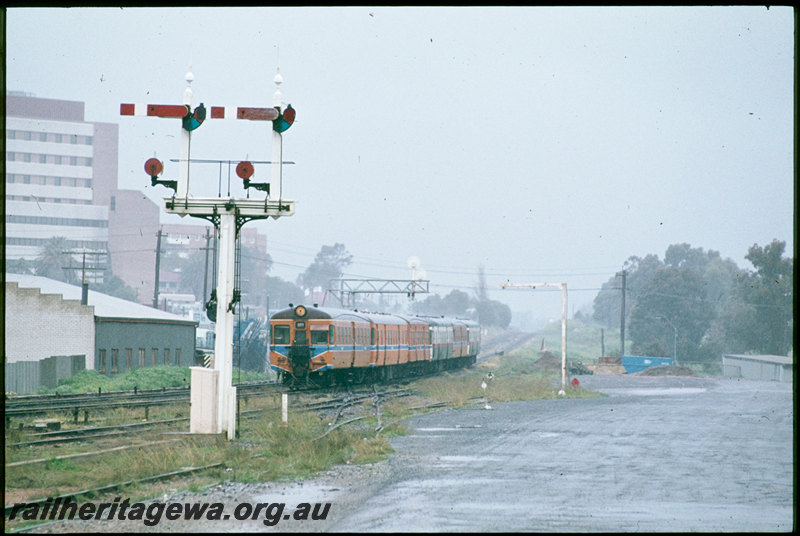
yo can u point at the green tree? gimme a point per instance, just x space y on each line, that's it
672 302
493 313
281 293
20 266
114 286
432 305
719 274
329 263
456 303
53 259
608 302
760 316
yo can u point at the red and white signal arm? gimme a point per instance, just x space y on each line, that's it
217 112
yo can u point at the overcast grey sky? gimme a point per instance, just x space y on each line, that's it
546 144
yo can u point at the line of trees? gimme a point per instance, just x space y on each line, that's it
703 305
460 304
55 262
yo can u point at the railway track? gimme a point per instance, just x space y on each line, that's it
502 343
31 405
103 432
338 402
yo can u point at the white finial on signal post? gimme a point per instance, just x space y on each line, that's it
186 142
276 177
277 97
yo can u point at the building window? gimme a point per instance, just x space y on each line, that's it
113 202
142 354
128 358
166 356
58 138
115 360
101 361
43 136
178 356
155 356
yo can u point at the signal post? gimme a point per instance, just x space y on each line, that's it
212 393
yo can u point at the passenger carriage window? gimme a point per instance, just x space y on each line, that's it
319 337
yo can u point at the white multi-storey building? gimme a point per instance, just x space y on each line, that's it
51 176
61 180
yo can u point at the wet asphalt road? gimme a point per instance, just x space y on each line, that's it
656 454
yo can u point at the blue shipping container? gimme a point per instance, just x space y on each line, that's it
635 363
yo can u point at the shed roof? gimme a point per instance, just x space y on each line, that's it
105 306
777 359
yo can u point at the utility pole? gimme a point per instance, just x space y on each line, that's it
602 341
622 317
84 281
563 287
158 269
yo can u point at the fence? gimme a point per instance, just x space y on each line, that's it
28 376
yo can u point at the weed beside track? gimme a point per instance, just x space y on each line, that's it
323 430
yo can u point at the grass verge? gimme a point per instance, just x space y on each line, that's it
267 450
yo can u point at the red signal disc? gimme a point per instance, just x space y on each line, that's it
244 170
153 167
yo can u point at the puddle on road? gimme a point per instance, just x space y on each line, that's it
294 494
470 459
438 429
669 391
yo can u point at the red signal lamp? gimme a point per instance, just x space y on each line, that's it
245 171
154 168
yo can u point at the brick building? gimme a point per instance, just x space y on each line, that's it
112 334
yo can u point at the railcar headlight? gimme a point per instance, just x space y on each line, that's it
300 311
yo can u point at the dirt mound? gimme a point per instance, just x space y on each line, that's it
666 370
548 361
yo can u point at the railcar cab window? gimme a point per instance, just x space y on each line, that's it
281 335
